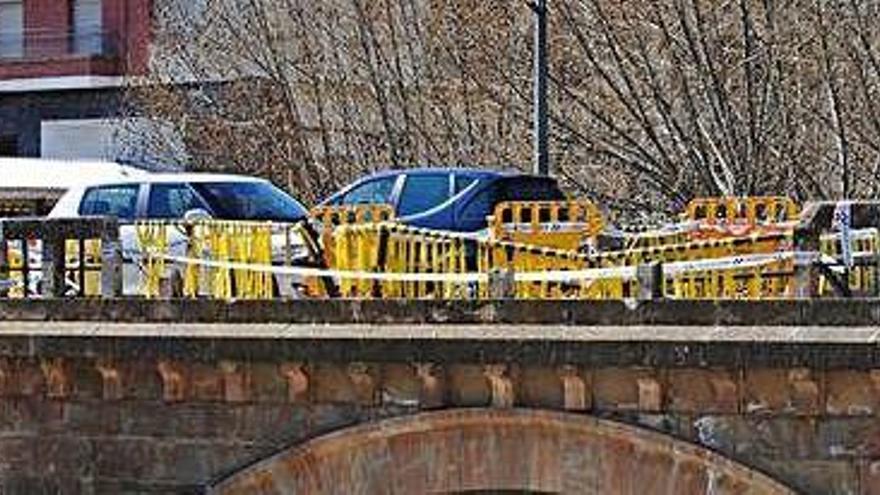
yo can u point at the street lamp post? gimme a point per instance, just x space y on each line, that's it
541 163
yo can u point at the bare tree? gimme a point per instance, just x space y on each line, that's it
653 102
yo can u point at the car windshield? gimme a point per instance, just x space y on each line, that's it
250 201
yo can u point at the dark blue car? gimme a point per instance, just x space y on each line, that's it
455 199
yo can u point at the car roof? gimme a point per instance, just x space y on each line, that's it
177 177
484 172
39 173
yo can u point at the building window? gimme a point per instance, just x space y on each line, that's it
11 29
87 27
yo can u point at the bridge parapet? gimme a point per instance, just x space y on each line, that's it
176 395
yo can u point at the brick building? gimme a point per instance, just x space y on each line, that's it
62 67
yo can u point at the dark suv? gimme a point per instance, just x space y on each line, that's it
455 199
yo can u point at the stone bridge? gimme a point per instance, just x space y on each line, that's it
128 396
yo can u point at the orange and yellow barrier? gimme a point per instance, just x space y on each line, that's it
555 224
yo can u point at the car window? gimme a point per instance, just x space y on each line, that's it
479 207
373 192
528 189
118 201
462 182
258 200
423 192
172 201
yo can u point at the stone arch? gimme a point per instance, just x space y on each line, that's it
498 451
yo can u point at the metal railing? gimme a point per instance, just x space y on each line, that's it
39 44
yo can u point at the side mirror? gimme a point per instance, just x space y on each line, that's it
196 214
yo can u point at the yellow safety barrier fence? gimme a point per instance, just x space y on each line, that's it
394 248
771 279
657 238
862 277
556 224
391 248
222 241
754 210
736 216
329 218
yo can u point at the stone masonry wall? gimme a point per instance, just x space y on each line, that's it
114 424
168 408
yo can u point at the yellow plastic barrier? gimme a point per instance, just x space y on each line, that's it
656 238
394 248
83 259
862 276
735 216
216 241
757 210
556 224
152 239
329 218
772 280
701 249
391 248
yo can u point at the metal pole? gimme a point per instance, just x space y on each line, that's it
541 158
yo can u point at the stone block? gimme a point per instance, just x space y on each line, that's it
111 380
703 391
236 381
276 424
205 383
18 456
184 420
432 385
813 477
364 383
750 437
869 477
297 380
331 383
468 386
268 383
174 381
400 385
852 392
789 391
542 386
64 456
141 380
169 460
849 437
38 484
626 389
